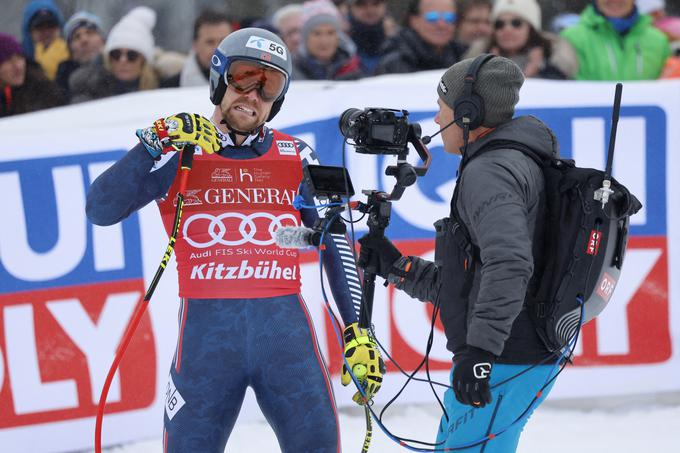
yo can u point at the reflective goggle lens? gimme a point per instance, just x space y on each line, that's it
246 76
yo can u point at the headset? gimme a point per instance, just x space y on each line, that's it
469 106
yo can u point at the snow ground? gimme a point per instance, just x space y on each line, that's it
632 426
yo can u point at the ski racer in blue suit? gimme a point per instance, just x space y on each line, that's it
242 320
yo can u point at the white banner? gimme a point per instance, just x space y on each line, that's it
68 288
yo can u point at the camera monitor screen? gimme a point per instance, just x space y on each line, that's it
327 180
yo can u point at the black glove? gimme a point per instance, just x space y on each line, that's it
471 376
377 255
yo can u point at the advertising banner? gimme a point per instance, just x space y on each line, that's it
68 288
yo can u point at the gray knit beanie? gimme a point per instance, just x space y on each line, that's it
498 83
318 12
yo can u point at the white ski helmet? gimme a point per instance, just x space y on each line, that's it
254 44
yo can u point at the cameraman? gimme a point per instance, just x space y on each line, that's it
483 256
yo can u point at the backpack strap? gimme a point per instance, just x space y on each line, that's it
491 146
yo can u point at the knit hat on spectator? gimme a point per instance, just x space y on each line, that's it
9 47
498 83
82 19
529 10
318 12
133 32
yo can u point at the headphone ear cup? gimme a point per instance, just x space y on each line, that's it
471 107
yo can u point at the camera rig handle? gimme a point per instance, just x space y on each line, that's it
379 209
406 173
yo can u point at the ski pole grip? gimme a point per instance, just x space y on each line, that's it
188 157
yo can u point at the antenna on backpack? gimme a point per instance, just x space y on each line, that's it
602 194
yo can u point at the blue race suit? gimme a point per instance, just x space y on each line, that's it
227 345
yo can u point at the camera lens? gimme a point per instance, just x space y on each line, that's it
348 121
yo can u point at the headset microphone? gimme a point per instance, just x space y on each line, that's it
428 138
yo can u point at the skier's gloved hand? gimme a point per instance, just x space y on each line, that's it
176 131
471 376
364 359
377 255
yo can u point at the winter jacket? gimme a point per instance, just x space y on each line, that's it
37 93
192 74
604 54
94 81
52 56
370 41
64 72
407 52
344 66
561 61
500 202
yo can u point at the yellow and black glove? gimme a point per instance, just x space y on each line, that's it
176 131
362 355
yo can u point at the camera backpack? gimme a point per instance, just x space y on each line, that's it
579 247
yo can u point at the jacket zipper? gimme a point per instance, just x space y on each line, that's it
612 58
638 57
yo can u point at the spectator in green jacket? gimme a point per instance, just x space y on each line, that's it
614 41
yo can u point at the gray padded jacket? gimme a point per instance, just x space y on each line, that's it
500 200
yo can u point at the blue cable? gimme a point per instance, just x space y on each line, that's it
299 203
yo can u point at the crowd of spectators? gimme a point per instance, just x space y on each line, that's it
57 62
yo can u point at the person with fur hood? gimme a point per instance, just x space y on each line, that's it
517 35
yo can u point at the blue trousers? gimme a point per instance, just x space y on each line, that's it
466 424
227 345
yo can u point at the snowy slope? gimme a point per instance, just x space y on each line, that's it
626 428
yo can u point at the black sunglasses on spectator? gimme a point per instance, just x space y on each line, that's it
130 55
499 24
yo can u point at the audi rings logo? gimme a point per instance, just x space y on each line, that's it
241 230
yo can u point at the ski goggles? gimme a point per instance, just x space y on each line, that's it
435 16
246 76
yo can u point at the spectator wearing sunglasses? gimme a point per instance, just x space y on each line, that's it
325 52
126 65
85 38
517 35
42 41
474 20
427 40
614 41
23 85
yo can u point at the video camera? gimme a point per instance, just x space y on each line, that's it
372 131
377 130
